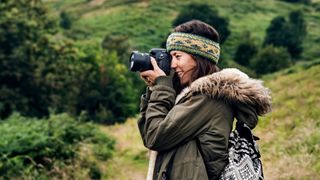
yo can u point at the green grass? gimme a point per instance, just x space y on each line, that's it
147 23
290 135
120 21
130 160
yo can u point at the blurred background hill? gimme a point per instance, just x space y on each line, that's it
64 63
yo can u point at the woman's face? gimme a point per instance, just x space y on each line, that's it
184 65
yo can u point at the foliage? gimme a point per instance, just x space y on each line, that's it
298 1
30 147
271 59
109 95
298 28
41 70
246 50
121 46
288 34
118 43
121 96
65 20
24 27
206 14
277 32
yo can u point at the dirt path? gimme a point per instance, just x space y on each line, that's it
96 2
130 159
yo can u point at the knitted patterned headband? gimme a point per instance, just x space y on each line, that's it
194 44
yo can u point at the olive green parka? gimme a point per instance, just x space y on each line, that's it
191 131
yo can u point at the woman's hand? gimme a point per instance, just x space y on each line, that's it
150 76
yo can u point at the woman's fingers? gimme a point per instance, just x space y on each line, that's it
156 69
150 76
147 73
146 78
154 64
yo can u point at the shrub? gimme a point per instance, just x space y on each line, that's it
42 70
24 31
298 29
206 14
271 59
65 20
32 146
289 34
298 1
246 50
118 43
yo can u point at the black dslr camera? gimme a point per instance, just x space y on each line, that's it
142 61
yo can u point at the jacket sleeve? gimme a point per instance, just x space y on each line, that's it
166 97
164 125
143 108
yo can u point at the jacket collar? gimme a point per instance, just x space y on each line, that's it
233 86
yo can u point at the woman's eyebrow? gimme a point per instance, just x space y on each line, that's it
175 53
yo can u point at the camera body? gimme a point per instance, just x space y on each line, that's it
142 61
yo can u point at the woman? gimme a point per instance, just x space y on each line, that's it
189 125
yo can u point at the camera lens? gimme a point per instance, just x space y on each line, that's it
132 61
139 61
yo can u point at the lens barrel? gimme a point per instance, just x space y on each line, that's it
139 61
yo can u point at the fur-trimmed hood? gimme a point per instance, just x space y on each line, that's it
249 97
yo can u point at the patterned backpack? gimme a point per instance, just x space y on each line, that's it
244 157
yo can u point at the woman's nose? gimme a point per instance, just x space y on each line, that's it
173 63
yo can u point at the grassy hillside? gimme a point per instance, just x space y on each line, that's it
147 22
290 135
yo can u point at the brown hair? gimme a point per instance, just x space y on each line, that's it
204 66
199 28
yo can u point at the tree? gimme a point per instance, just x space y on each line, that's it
297 34
246 50
298 1
117 90
40 70
206 14
289 34
65 20
24 29
271 59
277 32
119 44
